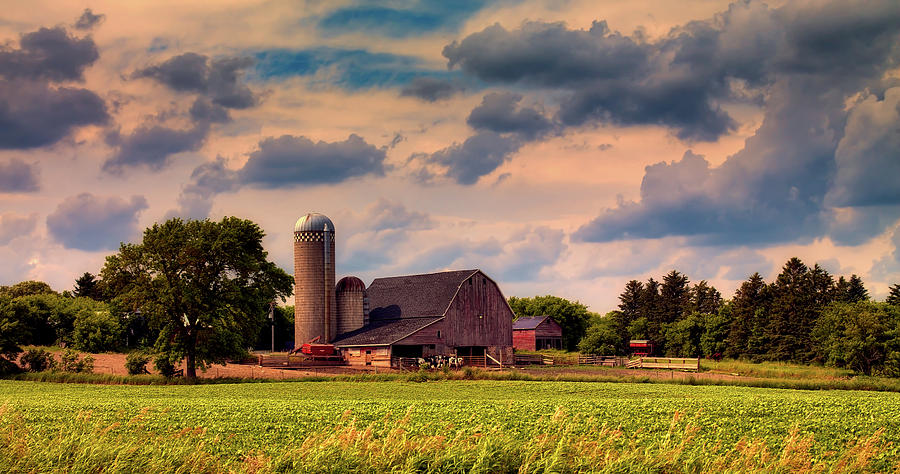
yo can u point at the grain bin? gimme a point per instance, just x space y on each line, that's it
315 307
351 304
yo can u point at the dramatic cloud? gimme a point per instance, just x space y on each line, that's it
868 156
611 77
430 89
13 225
477 156
418 17
498 113
774 189
204 111
88 20
33 113
151 146
88 222
218 79
48 54
289 161
502 125
16 176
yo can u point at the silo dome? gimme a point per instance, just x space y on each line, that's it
314 222
350 283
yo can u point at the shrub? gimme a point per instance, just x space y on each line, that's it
37 360
96 331
136 363
165 364
71 362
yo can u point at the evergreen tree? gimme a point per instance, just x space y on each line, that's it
793 313
87 285
749 298
629 307
705 299
651 309
894 295
630 300
675 296
856 290
823 286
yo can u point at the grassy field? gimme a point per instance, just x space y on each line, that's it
485 426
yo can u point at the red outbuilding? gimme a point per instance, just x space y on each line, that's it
534 333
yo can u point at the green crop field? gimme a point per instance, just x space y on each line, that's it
485 426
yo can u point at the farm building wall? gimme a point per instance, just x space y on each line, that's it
479 315
377 356
523 339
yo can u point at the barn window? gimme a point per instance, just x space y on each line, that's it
439 334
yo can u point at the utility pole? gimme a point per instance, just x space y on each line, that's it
272 322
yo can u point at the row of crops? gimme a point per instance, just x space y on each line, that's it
454 425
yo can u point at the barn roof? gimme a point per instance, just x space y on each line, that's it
528 322
414 296
384 333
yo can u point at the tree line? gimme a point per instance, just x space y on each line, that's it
805 315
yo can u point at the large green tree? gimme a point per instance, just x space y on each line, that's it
204 285
861 336
574 317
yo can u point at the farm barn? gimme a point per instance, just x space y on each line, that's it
456 313
459 313
534 333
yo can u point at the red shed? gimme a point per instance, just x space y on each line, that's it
533 333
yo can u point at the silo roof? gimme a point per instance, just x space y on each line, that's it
350 283
314 222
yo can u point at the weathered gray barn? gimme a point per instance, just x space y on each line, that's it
454 313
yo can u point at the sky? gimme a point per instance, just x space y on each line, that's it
562 146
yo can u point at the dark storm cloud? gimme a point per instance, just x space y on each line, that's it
502 127
16 176
151 146
811 152
499 112
477 156
289 161
34 114
401 19
89 20
218 79
88 222
33 111
430 89
610 77
202 110
868 156
48 54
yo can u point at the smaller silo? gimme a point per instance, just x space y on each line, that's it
350 293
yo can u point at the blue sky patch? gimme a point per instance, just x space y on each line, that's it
347 68
417 18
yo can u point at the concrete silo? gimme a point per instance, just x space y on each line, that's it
351 304
315 307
